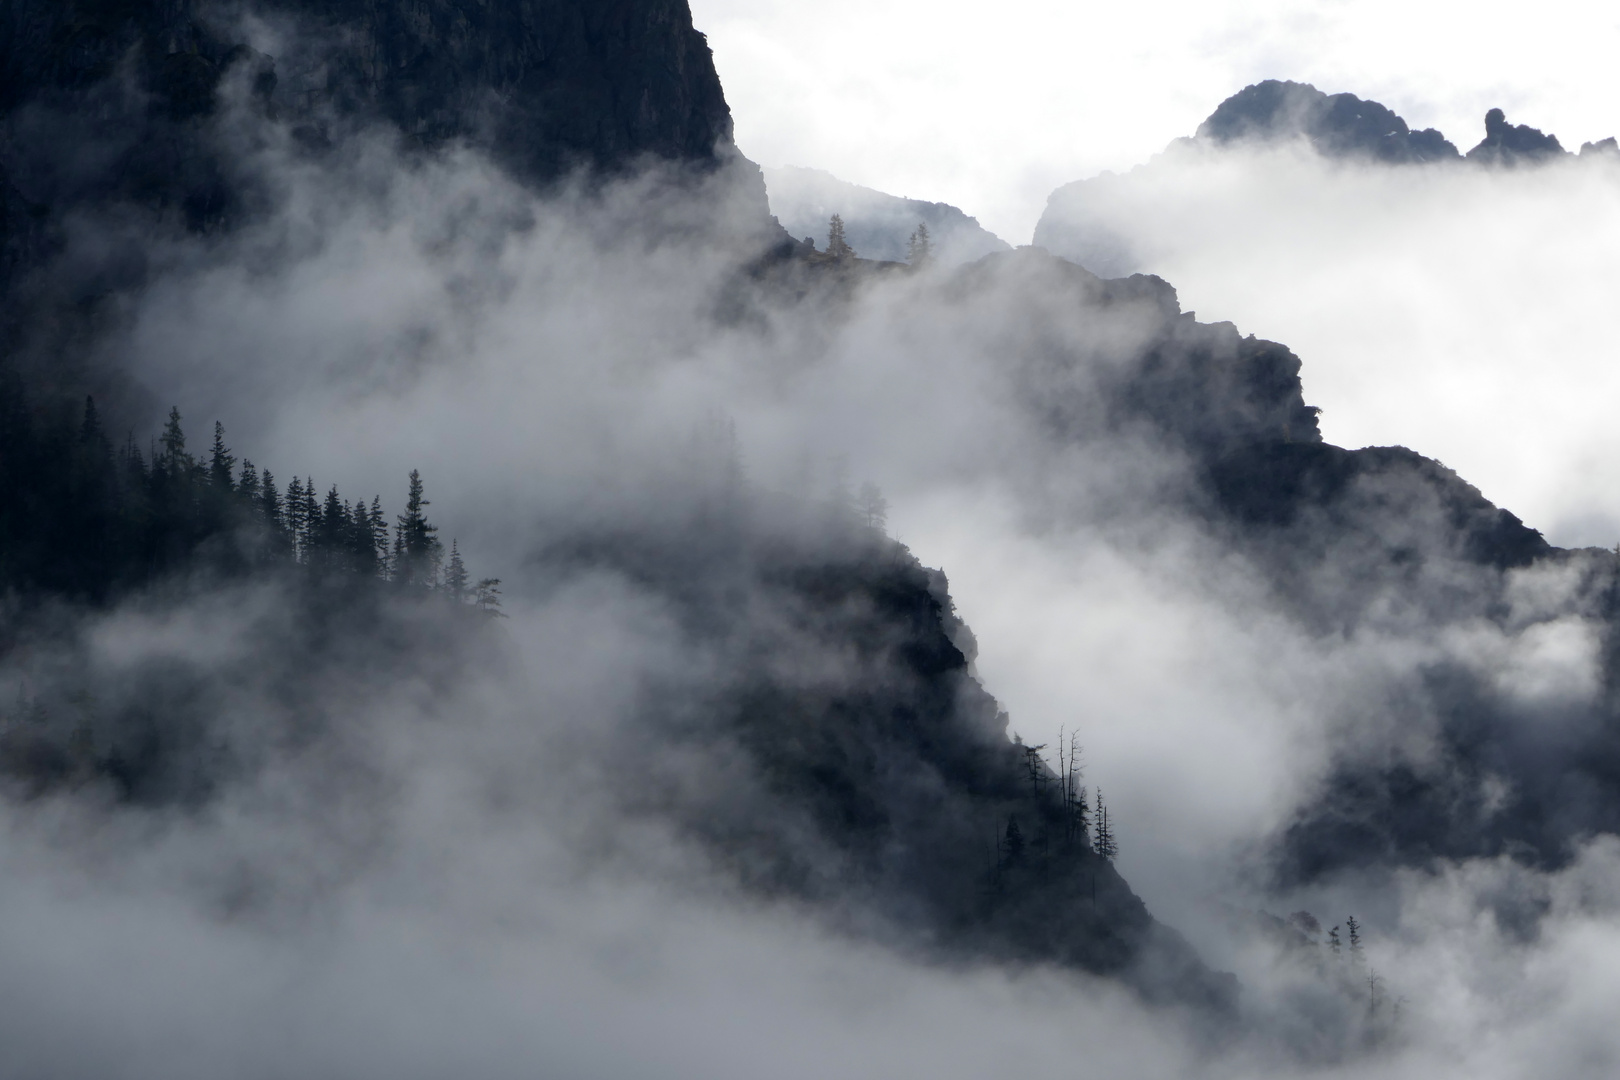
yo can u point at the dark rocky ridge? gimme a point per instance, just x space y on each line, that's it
1338 125
1513 144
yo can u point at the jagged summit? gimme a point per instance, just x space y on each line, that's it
1513 144
1336 125
1348 127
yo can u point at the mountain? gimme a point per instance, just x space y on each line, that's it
134 130
784 696
878 226
151 114
1337 125
1078 222
1513 144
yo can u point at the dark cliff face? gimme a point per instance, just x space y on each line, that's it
1337 125
153 106
544 86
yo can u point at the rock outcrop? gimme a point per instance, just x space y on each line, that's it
1336 125
1513 144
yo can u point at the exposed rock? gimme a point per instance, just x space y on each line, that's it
107 104
1336 126
1513 144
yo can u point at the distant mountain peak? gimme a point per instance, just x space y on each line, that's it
1336 125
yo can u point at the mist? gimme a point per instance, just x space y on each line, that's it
1455 310
480 869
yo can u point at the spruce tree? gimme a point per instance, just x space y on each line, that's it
379 537
1354 928
221 464
173 441
417 560
837 246
329 532
294 518
1103 843
309 515
248 485
455 575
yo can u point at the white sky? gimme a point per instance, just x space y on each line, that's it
991 106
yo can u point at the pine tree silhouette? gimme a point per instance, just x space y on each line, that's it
837 246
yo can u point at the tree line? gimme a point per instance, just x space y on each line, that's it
84 518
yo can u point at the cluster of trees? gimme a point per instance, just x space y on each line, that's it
83 518
919 247
1062 802
1348 965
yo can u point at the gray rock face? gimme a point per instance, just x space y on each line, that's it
877 225
1337 125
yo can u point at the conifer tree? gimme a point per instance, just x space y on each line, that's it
1333 942
1103 843
872 507
379 537
309 516
919 248
359 542
487 597
90 432
329 531
837 246
221 464
1354 929
293 516
417 549
455 575
270 501
173 441
248 485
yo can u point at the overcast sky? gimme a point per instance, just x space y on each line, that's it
991 106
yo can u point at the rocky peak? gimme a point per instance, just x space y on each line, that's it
1336 125
1513 144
